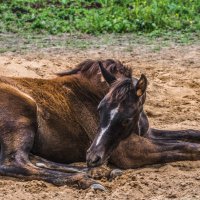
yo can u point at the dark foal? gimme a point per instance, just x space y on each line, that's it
45 122
124 136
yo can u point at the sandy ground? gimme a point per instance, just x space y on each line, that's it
173 101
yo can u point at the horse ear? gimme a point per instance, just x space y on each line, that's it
106 74
141 85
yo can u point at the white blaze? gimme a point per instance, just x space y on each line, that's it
113 113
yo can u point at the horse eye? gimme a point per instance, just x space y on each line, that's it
99 110
126 122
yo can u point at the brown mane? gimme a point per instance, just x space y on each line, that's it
89 68
121 89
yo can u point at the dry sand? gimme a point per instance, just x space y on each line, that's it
173 102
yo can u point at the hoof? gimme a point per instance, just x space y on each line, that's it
97 186
115 172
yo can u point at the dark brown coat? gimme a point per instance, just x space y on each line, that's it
55 119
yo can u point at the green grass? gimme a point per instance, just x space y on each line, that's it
128 42
100 16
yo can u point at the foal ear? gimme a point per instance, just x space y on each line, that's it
106 74
141 85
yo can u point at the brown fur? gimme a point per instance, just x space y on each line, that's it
58 102
55 119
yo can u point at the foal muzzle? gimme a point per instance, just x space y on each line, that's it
94 159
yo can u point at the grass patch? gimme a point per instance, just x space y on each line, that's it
101 16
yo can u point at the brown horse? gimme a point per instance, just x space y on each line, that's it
124 135
51 119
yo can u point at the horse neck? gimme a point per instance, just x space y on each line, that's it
89 95
86 89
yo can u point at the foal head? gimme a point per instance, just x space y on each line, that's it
119 114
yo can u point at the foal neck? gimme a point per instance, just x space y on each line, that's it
84 88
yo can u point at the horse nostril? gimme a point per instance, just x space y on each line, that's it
94 161
97 159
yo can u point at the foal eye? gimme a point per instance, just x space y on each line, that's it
126 122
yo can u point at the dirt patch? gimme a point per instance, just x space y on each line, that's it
173 102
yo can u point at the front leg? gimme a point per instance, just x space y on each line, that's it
138 151
44 163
